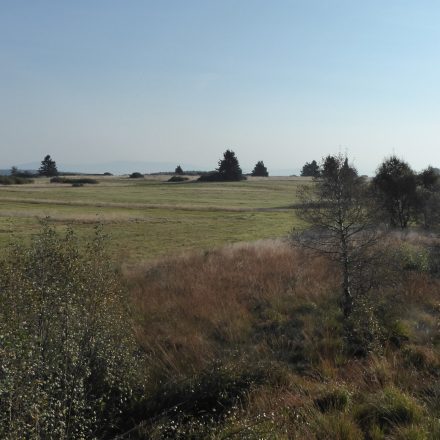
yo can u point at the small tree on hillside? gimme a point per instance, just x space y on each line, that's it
48 167
229 168
395 187
178 170
14 171
340 224
260 170
310 169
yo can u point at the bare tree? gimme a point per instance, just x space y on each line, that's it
340 222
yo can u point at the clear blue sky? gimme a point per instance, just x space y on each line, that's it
180 81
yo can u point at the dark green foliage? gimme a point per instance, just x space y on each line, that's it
310 169
178 170
260 170
48 167
107 174
80 180
212 176
178 179
136 175
14 180
229 168
395 187
428 197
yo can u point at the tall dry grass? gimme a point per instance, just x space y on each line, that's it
268 304
193 307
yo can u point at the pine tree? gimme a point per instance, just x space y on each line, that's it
260 170
178 170
48 167
229 168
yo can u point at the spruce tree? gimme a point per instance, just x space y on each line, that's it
48 167
229 168
260 170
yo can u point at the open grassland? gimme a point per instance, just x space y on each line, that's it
150 217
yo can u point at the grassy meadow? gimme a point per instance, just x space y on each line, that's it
149 217
206 323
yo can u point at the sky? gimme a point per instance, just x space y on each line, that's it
180 81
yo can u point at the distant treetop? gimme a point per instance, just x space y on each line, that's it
310 169
229 168
48 167
260 170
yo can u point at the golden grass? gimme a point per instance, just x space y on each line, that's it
269 303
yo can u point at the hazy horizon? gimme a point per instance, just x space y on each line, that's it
179 82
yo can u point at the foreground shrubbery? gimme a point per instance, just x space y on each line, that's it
244 342
66 349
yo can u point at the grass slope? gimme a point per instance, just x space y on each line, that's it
149 217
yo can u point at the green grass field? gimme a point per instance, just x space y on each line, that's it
149 217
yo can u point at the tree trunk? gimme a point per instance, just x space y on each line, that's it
347 298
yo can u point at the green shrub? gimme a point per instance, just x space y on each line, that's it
364 333
136 175
66 346
387 409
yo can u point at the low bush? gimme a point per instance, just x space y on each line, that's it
136 175
338 400
215 176
79 180
14 180
387 409
178 179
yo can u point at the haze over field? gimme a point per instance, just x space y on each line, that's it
178 82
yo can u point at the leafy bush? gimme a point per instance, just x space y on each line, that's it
66 346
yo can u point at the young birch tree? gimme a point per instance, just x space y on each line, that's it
339 221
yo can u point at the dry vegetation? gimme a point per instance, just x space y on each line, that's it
261 325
